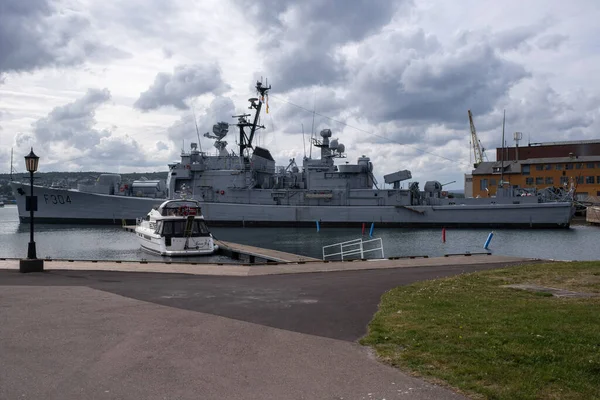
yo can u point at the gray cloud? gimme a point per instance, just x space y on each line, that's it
411 77
296 110
142 18
35 34
74 123
186 82
546 115
551 42
23 139
70 140
301 38
111 154
220 109
160 145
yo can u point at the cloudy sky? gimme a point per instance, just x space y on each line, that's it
114 86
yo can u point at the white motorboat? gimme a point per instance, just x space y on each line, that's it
175 228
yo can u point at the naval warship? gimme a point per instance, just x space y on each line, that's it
246 188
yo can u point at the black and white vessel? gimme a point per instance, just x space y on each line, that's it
175 228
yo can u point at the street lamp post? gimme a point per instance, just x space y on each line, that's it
32 263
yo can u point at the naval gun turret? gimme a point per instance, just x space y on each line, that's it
432 189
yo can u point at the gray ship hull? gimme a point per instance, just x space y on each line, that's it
71 206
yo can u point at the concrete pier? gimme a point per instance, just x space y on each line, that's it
266 269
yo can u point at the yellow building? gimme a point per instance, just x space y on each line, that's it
583 172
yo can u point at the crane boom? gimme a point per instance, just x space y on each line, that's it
477 148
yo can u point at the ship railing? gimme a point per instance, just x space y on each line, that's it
351 248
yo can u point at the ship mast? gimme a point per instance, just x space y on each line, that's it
245 141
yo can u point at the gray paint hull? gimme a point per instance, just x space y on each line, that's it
70 206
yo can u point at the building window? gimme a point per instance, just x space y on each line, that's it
539 181
525 169
569 166
550 180
590 165
598 179
496 170
579 166
580 180
564 180
589 180
529 181
548 167
493 182
483 184
559 167
539 167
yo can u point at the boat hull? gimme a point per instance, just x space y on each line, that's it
180 247
89 208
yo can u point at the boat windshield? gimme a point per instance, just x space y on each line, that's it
177 228
180 211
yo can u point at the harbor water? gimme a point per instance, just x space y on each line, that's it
86 242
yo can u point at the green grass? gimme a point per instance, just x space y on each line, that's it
494 342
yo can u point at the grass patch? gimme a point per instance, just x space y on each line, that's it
496 342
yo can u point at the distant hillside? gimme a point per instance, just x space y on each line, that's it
54 176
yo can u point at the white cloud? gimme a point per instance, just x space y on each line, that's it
186 82
403 73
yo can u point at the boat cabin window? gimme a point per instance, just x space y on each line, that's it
180 211
177 228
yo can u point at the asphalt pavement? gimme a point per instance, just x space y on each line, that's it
123 335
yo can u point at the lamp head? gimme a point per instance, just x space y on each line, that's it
31 161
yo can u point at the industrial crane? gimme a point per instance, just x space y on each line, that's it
478 149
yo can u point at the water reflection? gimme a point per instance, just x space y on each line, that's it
112 243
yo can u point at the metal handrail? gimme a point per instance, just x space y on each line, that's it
353 247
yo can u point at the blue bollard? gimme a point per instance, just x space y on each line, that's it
318 227
489 239
371 230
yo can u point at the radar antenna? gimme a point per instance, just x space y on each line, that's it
220 130
245 140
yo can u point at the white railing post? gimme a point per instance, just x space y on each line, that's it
353 247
